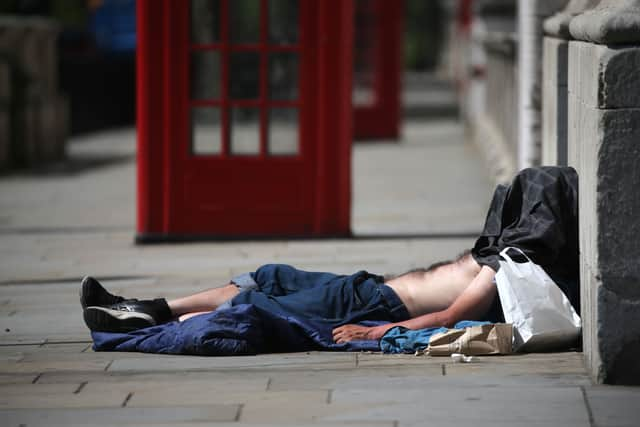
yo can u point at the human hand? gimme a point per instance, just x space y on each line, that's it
346 333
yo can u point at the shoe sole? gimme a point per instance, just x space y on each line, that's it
102 319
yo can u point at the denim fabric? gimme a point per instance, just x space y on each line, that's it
403 340
324 298
244 281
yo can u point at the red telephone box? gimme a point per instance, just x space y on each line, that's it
244 118
377 68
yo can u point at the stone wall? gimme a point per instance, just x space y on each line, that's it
592 56
604 146
34 115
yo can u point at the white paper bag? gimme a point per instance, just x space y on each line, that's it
542 316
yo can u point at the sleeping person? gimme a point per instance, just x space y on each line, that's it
537 213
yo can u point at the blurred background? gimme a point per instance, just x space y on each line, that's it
78 56
85 47
434 101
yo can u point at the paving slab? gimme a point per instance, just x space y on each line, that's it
344 378
282 406
176 391
407 379
566 363
41 366
411 205
471 404
23 195
304 361
16 353
614 406
190 417
400 360
120 416
176 377
17 378
22 396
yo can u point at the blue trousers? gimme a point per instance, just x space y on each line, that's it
325 298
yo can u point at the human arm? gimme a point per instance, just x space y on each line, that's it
471 304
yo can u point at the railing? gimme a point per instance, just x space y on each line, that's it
502 88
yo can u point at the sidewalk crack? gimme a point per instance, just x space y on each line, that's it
239 412
127 399
592 422
80 387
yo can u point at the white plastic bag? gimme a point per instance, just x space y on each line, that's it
542 316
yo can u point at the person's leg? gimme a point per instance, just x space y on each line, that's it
93 294
106 312
112 313
203 301
273 280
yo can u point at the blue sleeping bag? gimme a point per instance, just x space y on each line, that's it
243 329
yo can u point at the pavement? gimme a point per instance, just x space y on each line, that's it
416 201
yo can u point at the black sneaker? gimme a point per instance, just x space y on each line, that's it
93 294
127 315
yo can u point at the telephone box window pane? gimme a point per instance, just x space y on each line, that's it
205 75
206 131
283 131
244 80
283 21
244 21
283 76
364 54
245 131
205 21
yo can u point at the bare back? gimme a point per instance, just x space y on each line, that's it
425 292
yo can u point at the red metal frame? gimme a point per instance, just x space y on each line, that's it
183 196
382 118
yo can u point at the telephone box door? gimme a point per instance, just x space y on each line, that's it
250 136
377 68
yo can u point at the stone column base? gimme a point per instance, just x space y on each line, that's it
604 146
